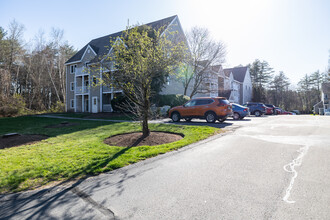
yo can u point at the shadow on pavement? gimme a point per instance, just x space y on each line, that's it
66 200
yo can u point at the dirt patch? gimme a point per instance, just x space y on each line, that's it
134 139
18 139
61 125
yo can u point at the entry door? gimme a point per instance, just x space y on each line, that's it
94 104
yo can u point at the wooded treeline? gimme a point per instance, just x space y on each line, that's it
32 74
276 89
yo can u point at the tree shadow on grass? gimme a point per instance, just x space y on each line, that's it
203 123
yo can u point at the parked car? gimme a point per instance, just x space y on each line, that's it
269 111
278 110
286 113
256 108
211 109
296 111
239 111
272 107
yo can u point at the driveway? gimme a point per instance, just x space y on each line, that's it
275 167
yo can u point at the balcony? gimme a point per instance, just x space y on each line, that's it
108 89
81 71
82 89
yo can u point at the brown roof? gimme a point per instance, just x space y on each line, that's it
216 68
238 73
224 93
227 72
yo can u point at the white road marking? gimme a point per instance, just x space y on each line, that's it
290 168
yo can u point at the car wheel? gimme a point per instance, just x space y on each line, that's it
236 116
210 117
175 117
188 119
257 113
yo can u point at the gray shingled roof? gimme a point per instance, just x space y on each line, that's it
238 73
101 45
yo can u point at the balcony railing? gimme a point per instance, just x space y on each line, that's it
110 89
82 89
81 71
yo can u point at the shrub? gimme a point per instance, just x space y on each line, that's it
12 106
118 103
58 107
171 100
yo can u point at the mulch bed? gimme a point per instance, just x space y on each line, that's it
17 140
132 139
61 125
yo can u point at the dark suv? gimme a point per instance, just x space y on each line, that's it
256 108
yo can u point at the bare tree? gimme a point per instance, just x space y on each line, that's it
205 53
141 55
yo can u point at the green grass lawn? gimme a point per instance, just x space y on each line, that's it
127 117
77 151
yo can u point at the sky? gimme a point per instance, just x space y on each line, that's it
293 36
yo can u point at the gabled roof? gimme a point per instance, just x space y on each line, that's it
227 72
102 45
238 73
216 68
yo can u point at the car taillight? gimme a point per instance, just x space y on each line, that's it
245 110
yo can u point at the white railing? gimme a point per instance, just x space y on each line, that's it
107 89
82 89
81 71
111 89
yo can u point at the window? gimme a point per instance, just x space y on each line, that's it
71 86
94 80
191 103
72 103
73 69
168 80
204 102
224 101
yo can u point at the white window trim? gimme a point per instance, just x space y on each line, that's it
74 68
72 86
71 102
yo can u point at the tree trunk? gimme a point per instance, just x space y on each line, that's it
145 128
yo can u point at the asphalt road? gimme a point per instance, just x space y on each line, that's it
275 167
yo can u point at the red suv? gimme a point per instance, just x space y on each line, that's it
211 109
